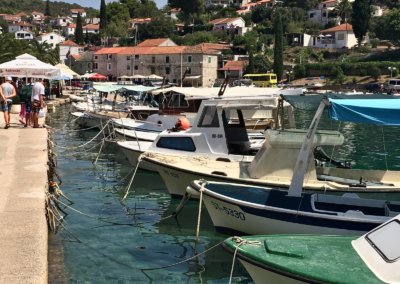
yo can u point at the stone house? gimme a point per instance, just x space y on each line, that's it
69 47
323 12
170 62
21 26
51 38
61 22
91 28
341 36
27 35
249 7
232 25
74 13
38 17
157 42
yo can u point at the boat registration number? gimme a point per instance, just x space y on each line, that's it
229 211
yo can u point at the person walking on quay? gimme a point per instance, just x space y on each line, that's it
7 92
37 101
26 103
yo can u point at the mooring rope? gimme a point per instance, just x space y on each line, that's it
90 141
77 130
133 177
199 213
185 260
239 242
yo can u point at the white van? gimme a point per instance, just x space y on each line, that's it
393 84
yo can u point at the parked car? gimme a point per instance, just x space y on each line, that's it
374 87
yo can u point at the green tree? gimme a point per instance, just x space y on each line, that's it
305 4
374 72
189 7
133 6
103 15
158 28
260 14
250 68
343 9
278 46
360 18
387 27
195 38
261 63
79 30
148 9
47 10
338 75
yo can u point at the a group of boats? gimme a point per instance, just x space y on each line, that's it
240 154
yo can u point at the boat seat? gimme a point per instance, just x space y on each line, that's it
237 139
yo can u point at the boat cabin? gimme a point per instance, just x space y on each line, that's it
220 126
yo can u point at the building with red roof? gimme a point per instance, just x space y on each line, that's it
231 25
170 62
68 48
234 69
157 42
341 36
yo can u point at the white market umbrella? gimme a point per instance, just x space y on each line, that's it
67 72
27 65
154 77
87 75
137 76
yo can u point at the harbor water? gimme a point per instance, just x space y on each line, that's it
105 240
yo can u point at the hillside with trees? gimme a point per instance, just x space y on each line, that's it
56 8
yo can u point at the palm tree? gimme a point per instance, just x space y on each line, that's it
343 9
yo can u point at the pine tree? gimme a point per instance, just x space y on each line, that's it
47 11
79 30
250 67
360 18
87 39
103 15
278 46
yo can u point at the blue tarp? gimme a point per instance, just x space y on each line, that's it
373 111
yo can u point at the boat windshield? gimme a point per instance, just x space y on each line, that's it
385 240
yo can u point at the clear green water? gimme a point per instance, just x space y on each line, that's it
90 250
93 251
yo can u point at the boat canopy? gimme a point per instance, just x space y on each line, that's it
207 93
373 111
107 88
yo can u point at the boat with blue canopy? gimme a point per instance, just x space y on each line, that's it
293 158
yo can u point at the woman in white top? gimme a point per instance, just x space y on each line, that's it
37 101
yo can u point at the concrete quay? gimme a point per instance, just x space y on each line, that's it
23 183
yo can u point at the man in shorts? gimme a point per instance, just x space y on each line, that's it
26 99
7 92
37 101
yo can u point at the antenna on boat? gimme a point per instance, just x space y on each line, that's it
223 86
300 168
164 79
184 76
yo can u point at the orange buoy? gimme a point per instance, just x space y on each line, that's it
182 123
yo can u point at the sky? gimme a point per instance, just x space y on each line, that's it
96 3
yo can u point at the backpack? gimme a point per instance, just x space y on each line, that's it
26 93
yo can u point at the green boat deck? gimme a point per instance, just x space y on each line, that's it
326 259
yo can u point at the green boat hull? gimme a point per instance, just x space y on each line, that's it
300 259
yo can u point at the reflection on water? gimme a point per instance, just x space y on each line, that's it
121 242
365 146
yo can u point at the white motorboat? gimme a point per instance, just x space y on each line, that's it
218 131
250 210
275 163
